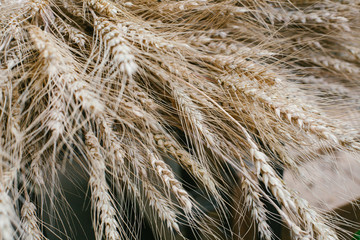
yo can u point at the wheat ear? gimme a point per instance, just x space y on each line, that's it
191 114
74 34
104 212
321 18
247 68
17 138
314 223
195 168
168 178
335 64
161 206
60 66
54 66
256 207
103 7
8 218
290 113
116 45
29 222
272 181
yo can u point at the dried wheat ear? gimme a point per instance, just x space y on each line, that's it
167 107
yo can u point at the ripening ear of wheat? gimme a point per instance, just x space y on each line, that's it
127 89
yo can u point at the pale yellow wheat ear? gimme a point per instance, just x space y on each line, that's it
166 107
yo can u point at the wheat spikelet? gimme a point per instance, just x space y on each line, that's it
73 8
35 7
139 94
354 51
57 116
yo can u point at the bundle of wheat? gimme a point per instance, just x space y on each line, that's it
129 89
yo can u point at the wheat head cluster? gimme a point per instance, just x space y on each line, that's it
132 91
